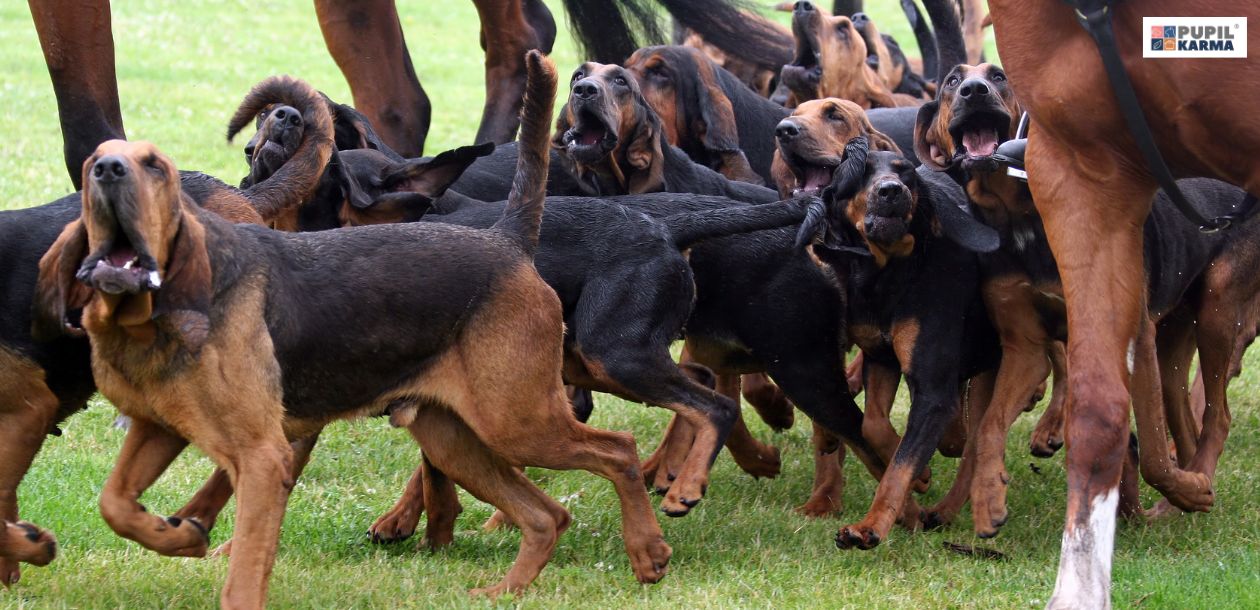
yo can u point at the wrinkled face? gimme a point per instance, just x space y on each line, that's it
811 141
829 52
600 112
977 112
131 198
279 134
658 70
884 207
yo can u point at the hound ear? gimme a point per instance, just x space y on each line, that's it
351 190
431 177
718 131
644 152
184 299
878 140
57 291
926 145
352 130
963 228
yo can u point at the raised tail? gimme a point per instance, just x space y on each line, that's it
690 228
523 215
297 179
923 36
951 50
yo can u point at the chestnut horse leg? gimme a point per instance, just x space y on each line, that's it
79 50
509 28
366 40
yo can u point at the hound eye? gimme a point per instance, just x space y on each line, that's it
576 77
998 77
620 81
835 116
152 165
952 81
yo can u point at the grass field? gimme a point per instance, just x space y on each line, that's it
182 69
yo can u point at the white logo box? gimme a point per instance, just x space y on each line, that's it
1236 27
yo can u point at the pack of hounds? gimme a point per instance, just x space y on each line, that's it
813 214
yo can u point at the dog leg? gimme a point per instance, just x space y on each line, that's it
827 497
26 415
881 384
1187 490
214 494
400 522
366 40
146 453
661 468
1047 437
978 397
1024 366
1175 347
262 473
458 451
768 399
27 543
751 455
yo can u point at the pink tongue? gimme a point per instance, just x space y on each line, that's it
816 178
590 137
120 256
980 143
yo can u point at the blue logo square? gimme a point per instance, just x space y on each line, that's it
1170 31
1157 44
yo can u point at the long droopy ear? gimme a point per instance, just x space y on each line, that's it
184 299
718 130
57 291
644 153
927 145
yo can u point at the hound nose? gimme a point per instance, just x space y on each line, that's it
287 116
804 6
586 90
787 130
109 168
860 19
888 189
973 87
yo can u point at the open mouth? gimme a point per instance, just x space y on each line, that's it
885 230
806 66
267 160
812 175
978 134
121 268
591 138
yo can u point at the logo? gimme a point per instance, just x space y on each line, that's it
1195 36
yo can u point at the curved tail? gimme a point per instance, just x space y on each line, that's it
690 228
949 36
924 37
523 215
297 179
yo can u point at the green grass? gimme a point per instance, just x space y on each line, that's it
182 70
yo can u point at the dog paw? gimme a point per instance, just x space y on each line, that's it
762 465
857 536
394 526
29 544
650 561
819 507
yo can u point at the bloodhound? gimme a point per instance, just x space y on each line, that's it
207 332
811 141
43 382
831 61
1094 192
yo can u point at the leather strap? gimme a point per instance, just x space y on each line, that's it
1095 17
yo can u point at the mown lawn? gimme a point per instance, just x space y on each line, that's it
183 67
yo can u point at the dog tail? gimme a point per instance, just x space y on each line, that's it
523 215
951 50
923 36
297 179
690 228
723 24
